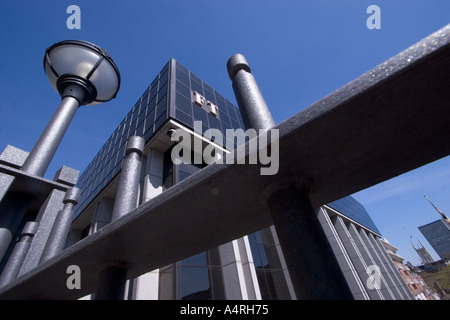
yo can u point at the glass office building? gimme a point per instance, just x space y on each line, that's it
251 267
169 96
437 234
355 211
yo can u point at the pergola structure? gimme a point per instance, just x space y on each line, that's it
392 119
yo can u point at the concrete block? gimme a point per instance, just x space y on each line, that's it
6 181
67 176
13 157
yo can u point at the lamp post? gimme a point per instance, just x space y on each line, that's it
83 74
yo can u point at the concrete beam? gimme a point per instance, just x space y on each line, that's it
390 120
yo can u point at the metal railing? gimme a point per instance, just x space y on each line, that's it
368 131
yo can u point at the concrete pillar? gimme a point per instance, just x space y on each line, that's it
15 206
314 271
11 210
19 253
127 192
46 218
60 230
112 278
112 283
146 286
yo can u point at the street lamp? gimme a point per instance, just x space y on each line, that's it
83 74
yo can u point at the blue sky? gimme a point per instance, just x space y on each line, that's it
299 52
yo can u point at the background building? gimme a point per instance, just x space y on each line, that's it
437 234
416 284
251 267
424 254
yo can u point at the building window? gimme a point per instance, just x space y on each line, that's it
195 284
271 279
196 278
168 178
201 277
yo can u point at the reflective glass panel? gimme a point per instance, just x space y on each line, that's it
194 283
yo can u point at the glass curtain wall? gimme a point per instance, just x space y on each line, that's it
271 279
198 277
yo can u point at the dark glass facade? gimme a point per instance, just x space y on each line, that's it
187 111
169 96
437 234
196 278
269 272
144 119
354 210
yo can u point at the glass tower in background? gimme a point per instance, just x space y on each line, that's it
437 234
